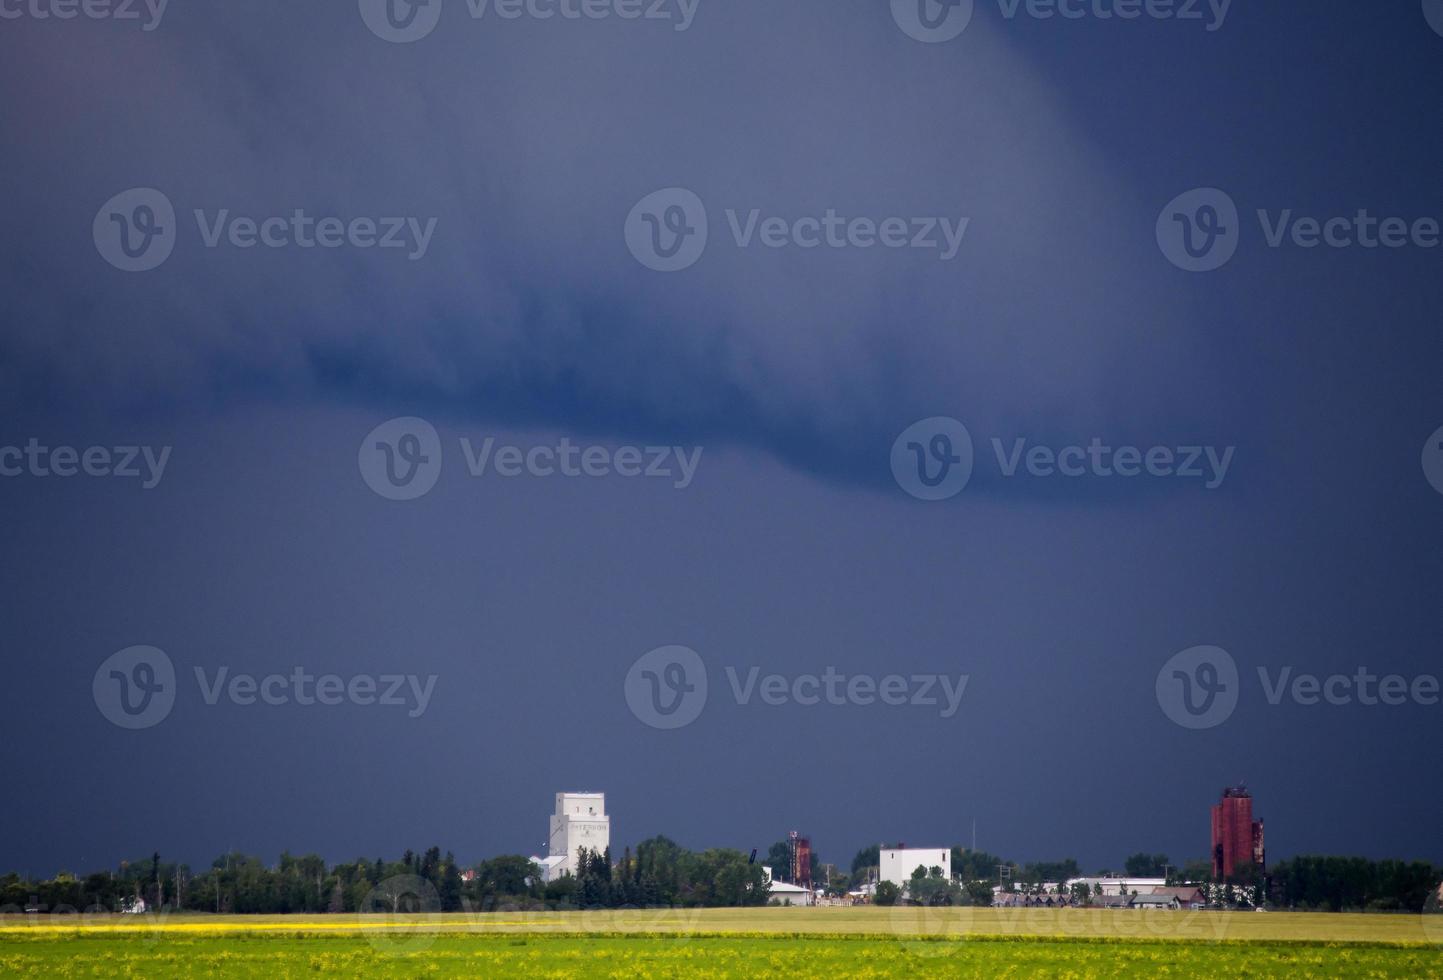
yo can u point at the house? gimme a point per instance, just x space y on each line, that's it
1112 901
1155 902
785 893
1120 886
1188 896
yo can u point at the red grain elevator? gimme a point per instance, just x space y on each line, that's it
1237 838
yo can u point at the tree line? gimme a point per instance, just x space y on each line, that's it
1339 884
1306 883
661 873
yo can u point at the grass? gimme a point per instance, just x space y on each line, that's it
729 943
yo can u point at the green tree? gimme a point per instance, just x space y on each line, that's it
970 865
779 859
867 857
1141 865
929 887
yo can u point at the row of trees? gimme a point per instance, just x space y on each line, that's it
929 886
1337 884
1310 883
661 873
242 884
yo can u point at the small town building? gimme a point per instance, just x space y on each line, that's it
1155 902
898 863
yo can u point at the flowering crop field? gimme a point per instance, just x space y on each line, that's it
725 943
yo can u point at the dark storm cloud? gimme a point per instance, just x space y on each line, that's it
528 319
528 142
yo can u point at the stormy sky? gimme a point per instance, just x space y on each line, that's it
526 319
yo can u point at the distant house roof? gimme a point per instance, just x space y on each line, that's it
1155 900
548 864
1185 893
1112 901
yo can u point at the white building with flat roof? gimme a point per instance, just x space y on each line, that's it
896 864
580 821
785 893
1120 886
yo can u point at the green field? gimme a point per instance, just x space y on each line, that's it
730 943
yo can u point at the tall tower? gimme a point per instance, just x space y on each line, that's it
580 821
800 849
1237 838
